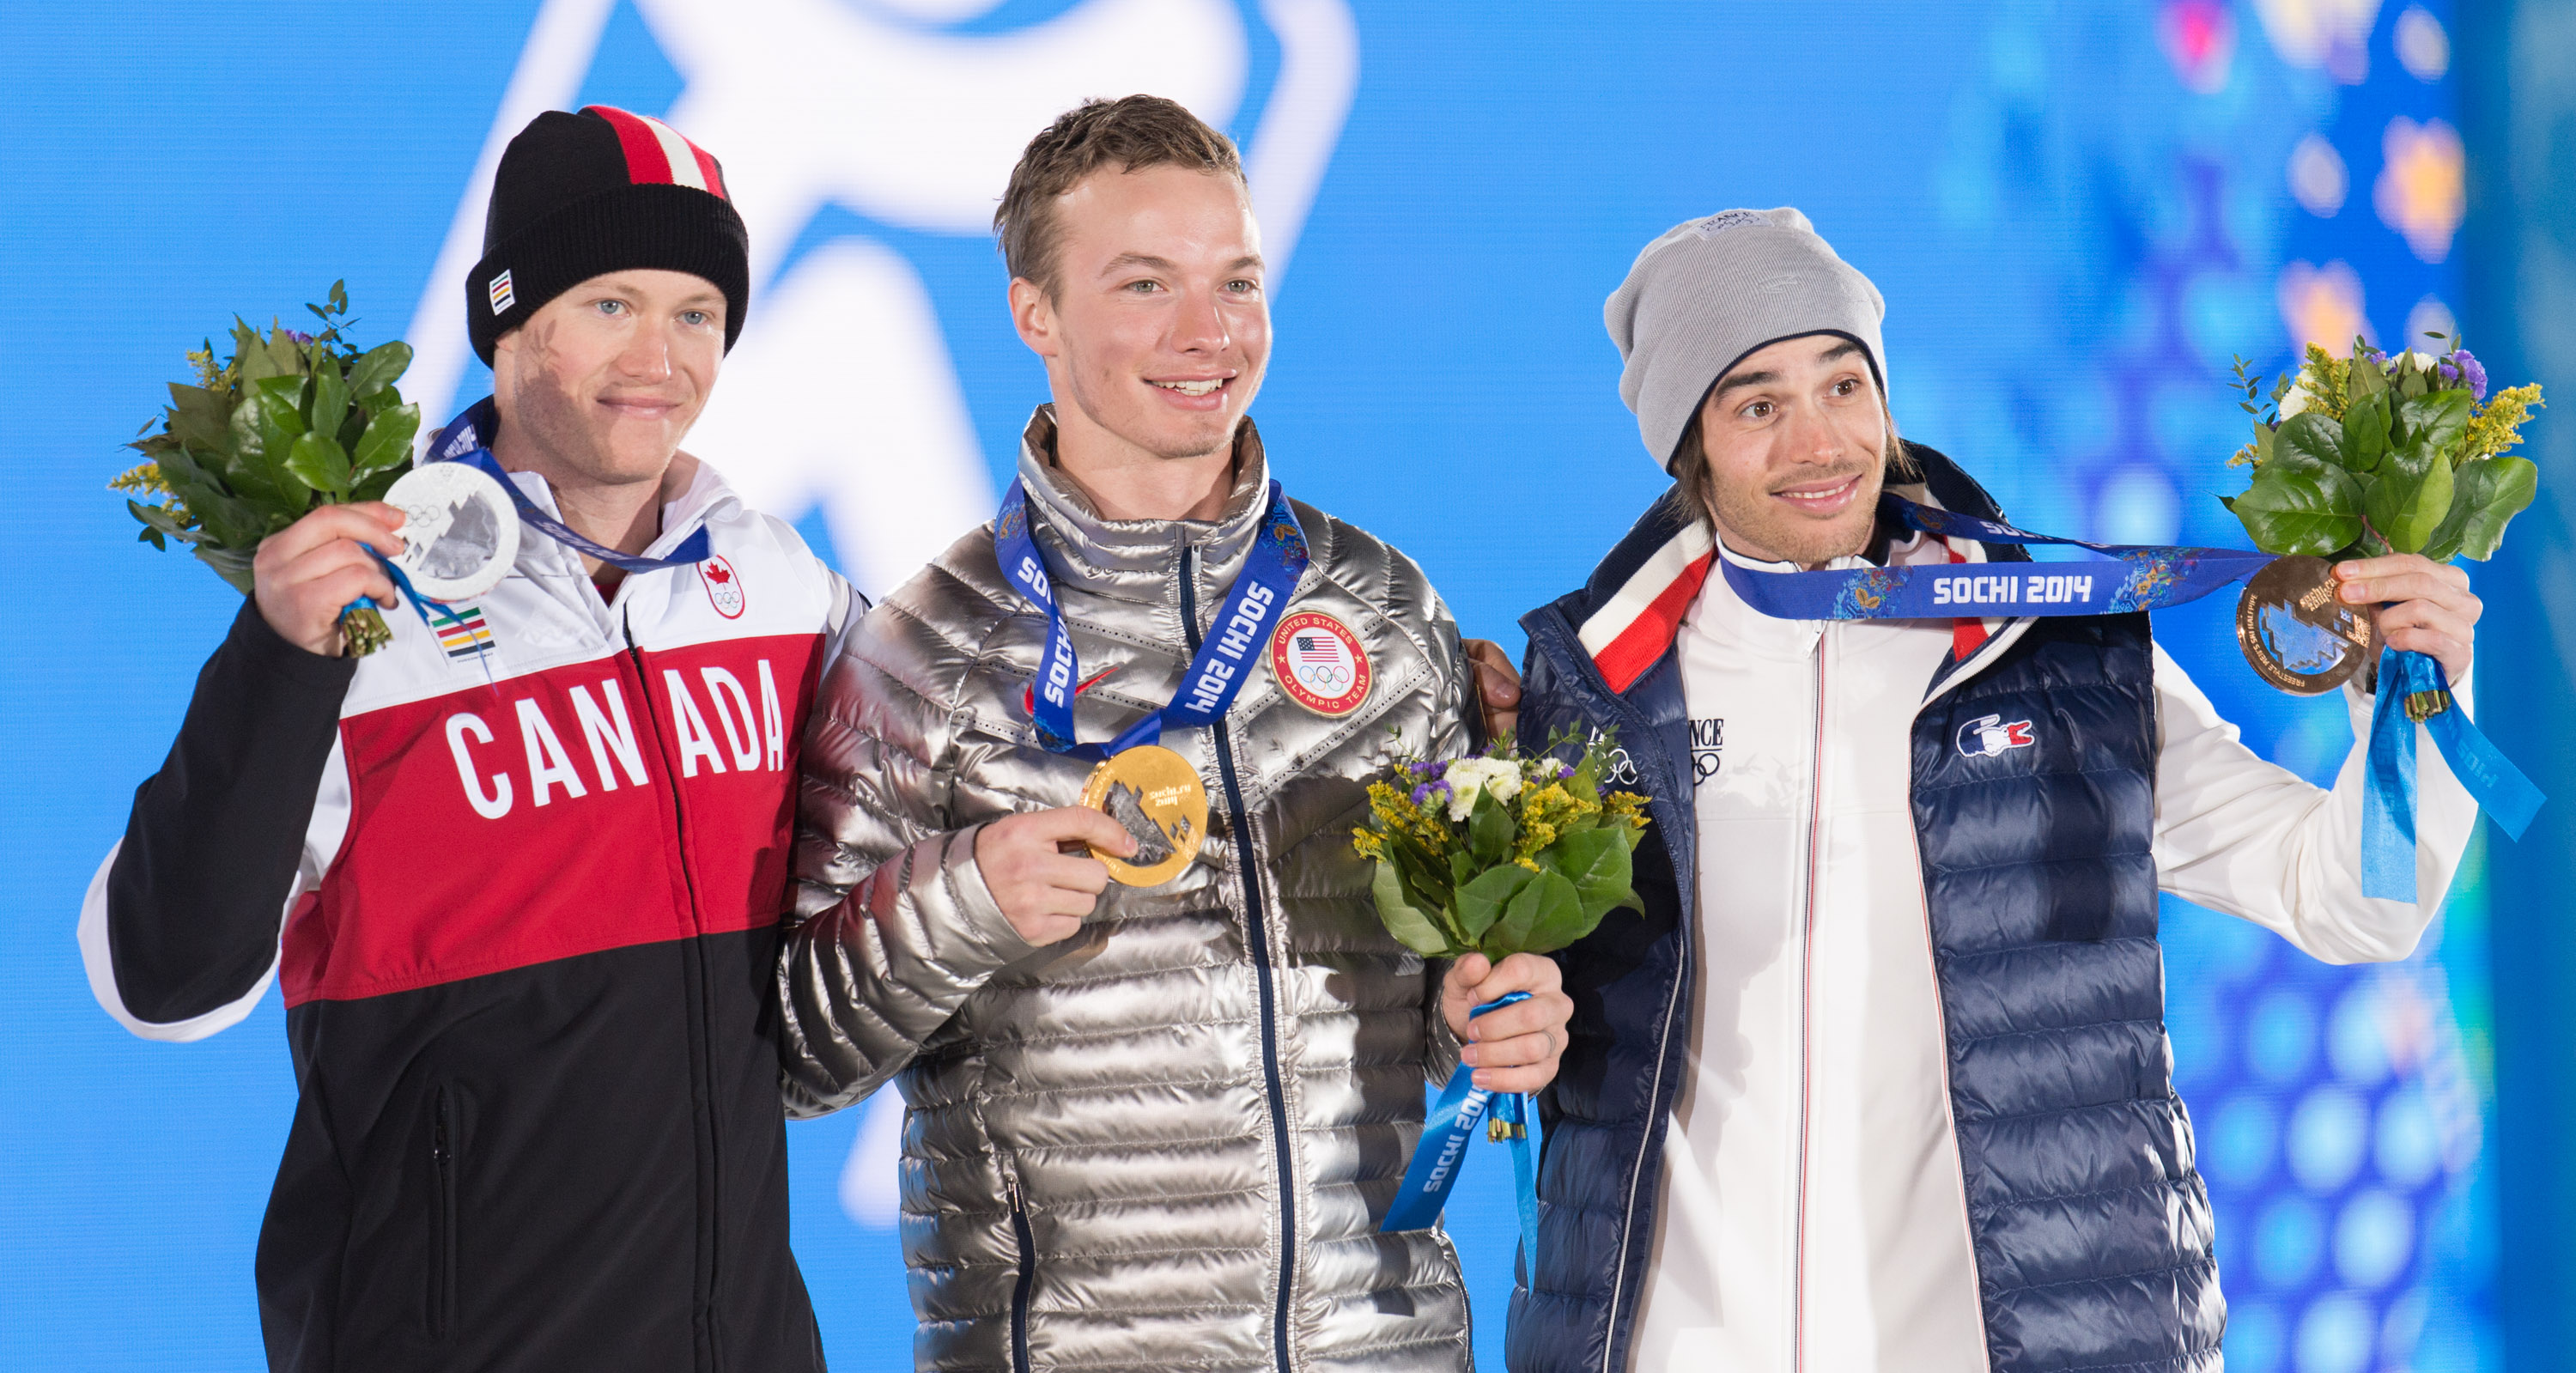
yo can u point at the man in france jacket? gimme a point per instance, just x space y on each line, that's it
1879 1077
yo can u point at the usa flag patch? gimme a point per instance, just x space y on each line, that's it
502 296
1320 664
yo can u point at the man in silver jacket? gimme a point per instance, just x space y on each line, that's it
1156 1127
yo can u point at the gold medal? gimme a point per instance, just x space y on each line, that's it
2299 635
1156 796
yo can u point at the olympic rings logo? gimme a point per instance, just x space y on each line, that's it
1319 675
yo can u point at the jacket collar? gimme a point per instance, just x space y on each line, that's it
1631 608
1135 560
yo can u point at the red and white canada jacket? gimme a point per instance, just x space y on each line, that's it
518 875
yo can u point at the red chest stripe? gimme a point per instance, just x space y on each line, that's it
586 807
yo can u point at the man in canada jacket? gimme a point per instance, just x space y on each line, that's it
518 873
1879 1078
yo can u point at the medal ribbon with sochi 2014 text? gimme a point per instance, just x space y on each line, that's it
2133 577
1225 658
1446 1128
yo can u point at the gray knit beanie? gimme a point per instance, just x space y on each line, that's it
1713 290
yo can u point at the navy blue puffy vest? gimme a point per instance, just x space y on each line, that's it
2090 1224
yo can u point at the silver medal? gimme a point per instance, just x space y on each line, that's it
460 530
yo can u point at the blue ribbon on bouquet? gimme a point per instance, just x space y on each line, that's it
1226 658
2414 689
2131 577
1443 1148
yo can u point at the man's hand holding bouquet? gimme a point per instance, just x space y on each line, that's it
2371 475
1494 861
298 432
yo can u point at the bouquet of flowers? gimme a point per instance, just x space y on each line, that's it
2377 454
1501 853
289 422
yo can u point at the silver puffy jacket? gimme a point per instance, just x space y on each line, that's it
1163 1143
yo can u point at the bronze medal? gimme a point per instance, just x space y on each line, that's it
2299 635
1156 796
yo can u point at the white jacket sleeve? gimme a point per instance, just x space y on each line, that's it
2247 837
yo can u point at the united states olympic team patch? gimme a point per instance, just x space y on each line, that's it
1319 663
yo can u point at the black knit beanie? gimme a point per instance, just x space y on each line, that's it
601 191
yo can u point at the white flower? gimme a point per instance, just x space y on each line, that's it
2298 400
2421 362
1469 776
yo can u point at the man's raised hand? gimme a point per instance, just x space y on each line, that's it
304 575
1043 891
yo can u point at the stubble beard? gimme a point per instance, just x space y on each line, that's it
1755 518
560 426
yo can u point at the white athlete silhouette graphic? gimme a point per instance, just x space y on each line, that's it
840 392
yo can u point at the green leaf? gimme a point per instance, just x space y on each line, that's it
2365 433
1546 901
378 367
2310 435
330 398
231 564
1411 927
2487 494
1490 830
285 354
1596 862
387 443
2407 502
2435 421
1481 902
1426 884
199 417
317 461
1585 784
2300 505
253 356
340 296
373 486
277 407
2365 378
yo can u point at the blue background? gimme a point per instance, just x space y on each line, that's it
2077 214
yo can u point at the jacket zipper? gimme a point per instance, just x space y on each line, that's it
442 1219
694 971
1806 1013
1028 1271
1256 933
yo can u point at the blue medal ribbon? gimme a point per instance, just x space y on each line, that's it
2126 577
463 441
1446 1129
2133 577
1226 658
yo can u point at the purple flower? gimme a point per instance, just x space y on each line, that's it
1422 794
2472 371
1563 772
300 337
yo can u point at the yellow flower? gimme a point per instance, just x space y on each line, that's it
2498 424
143 477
